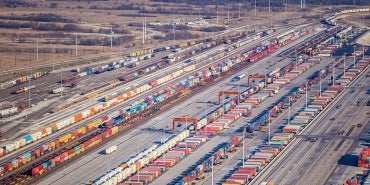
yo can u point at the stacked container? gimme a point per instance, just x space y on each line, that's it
364 158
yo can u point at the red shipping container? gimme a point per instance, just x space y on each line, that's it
8 167
132 183
235 140
245 172
57 160
153 173
64 154
75 133
71 152
38 170
57 143
20 161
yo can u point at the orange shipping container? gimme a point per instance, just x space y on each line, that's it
53 127
137 165
78 117
43 131
128 95
92 111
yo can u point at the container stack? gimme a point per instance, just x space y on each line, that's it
281 138
168 159
205 166
352 181
252 165
364 158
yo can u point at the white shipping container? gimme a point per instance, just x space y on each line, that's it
16 145
111 149
22 142
58 90
9 147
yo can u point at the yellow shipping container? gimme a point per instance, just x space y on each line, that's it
114 130
52 144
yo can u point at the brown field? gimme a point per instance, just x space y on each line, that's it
18 46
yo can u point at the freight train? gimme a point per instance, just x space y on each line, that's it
91 70
20 80
24 89
11 110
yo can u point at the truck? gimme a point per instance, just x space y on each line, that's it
58 90
237 78
110 149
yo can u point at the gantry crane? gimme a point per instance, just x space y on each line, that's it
184 120
220 93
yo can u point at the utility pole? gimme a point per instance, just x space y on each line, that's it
29 91
111 37
37 50
239 11
143 32
269 6
228 16
76 44
217 15
173 30
61 81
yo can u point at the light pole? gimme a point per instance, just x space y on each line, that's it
164 141
269 129
138 171
333 74
217 15
288 110
354 56
173 30
29 91
243 145
61 81
320 83
186 127
344 64
212 169
76 45
306 95
363 51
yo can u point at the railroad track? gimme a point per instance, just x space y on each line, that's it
331 152
294 144
135 118
255 139
234 156
312 153
18 175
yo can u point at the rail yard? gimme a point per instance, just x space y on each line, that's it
264 106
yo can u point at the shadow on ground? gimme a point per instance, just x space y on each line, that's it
348 160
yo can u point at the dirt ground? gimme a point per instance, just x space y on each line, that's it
12 57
